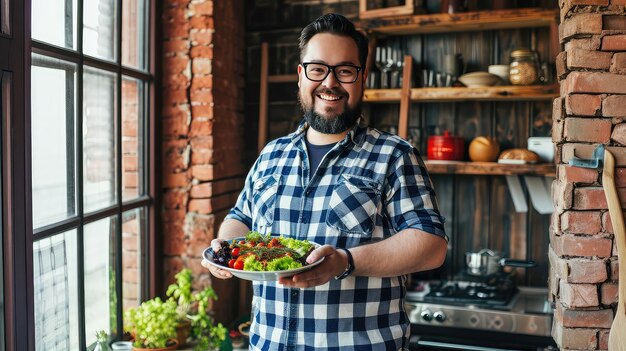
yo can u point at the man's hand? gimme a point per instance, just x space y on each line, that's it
216 245
229 229
335 262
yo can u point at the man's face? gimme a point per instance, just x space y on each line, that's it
331 107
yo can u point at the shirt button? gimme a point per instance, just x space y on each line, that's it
307 191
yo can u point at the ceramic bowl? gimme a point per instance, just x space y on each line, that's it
479 79
501 71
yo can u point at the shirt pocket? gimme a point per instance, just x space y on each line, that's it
354 204
264 201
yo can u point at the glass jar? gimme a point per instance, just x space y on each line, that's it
524 67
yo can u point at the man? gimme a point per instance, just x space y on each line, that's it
365 195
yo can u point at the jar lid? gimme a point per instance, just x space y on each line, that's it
522 53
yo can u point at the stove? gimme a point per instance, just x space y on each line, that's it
496 293
479 314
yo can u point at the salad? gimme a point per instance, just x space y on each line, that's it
258 252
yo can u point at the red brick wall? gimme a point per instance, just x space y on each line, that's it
590 111
202 122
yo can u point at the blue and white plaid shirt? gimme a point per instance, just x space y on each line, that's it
370 186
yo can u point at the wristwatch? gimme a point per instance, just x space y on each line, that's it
350 267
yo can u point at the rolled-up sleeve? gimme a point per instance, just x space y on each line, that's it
410 198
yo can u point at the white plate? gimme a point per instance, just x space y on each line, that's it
260 275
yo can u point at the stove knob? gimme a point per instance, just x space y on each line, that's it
427 315
439 316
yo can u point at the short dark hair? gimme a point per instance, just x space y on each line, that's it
335 24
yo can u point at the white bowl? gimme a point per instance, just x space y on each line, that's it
208 254
479 79
501 71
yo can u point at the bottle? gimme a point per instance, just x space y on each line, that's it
101 341
524 67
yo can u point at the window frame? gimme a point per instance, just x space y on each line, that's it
18 234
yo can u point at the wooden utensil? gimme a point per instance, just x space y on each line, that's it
617 336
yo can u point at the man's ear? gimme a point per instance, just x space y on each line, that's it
299 74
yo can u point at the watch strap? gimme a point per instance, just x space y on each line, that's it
350 267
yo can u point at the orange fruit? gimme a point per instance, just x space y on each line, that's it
484 149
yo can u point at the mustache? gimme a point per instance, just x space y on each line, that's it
329 91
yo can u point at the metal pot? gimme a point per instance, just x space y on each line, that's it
487 262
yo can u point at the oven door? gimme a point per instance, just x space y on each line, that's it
447 339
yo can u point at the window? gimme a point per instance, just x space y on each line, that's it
5 86
91 108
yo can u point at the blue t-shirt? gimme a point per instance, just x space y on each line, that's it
316 153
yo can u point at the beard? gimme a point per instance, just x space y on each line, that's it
330 123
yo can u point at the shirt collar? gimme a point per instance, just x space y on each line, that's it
356 134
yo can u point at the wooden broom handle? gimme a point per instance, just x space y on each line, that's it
617 220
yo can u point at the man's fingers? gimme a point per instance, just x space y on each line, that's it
216 244
320 252
216 272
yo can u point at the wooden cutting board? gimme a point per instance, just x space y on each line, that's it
617 336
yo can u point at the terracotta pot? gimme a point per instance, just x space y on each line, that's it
183 330
445 147
172 346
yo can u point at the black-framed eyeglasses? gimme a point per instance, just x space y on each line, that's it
317 72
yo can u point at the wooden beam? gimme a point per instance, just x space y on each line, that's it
282 78
405 97
263 97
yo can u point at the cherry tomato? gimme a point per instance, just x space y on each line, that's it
273 243
231 262
238 265
261 244
235 252
242 242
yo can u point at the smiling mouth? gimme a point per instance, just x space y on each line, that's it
329 97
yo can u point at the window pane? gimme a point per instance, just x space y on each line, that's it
133 233
5 96
54 22
133 33
132 140
99 144
53 140
99 23
5 19
55 295
100 296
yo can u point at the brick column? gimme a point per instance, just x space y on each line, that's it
202 118
590 111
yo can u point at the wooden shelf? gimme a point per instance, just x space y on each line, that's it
468 21
489 168
497 93
282 78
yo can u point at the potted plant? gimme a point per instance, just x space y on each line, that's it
193 311
153 325
181 292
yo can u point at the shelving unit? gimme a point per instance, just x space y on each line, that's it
496 93
489 168
462 22
468 21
